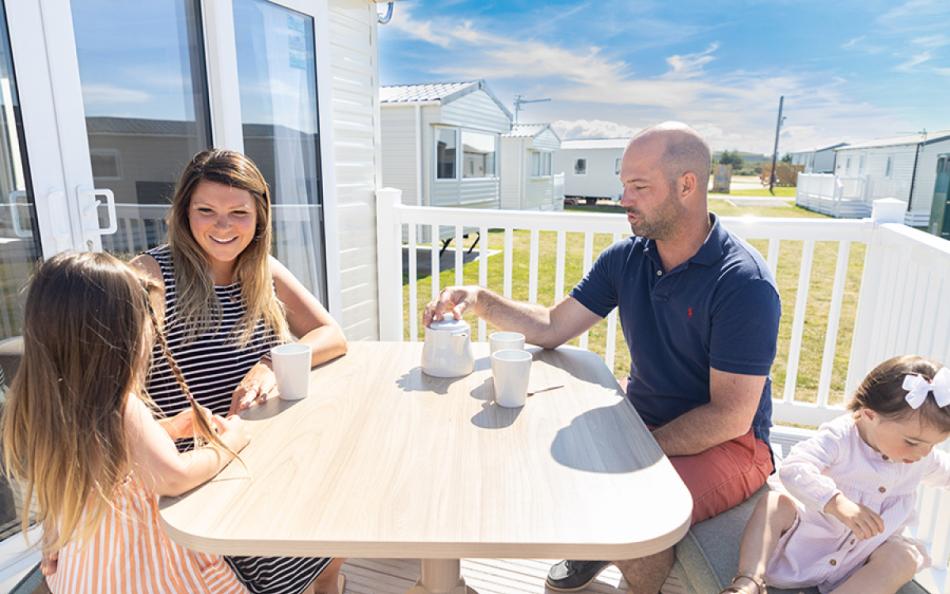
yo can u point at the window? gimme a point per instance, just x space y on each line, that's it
888 167
445 151
277 79
105 163
580 167
861 165
478 154
540 163
847 165
617 166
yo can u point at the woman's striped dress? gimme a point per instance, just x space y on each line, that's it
129 553
213 365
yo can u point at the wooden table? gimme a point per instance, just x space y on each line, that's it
383 461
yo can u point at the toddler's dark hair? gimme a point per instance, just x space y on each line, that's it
882 391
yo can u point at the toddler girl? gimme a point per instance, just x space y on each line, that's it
80 436
843 498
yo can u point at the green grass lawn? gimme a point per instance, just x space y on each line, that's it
818 303
781 192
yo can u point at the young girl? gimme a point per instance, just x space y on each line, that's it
80 436
843 497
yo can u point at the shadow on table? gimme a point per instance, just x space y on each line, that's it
415 380
590 442
271 408
492 416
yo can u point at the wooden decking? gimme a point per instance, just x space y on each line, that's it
486 576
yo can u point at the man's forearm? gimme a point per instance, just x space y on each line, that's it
532 320
699 429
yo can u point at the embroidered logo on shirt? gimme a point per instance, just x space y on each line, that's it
689 312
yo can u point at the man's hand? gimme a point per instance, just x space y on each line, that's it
863 522
453 300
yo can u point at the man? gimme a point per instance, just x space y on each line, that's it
699 310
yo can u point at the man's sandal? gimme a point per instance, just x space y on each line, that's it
760 587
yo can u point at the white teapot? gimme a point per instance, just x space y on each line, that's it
447 351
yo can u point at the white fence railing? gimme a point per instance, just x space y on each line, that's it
558 198
901 297
842 197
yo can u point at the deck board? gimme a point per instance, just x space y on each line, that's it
487 576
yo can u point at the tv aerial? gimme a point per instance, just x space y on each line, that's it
520 100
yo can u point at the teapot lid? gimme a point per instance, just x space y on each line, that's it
449 324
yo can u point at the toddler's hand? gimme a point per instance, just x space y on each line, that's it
863 522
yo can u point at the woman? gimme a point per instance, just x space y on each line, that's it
227 302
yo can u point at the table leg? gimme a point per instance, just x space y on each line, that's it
441 576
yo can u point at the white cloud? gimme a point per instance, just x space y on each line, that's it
105 94
732 109
690 65
568 129
424 30
931 41
853 42
914 61
942 71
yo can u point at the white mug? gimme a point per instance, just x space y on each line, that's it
498 341
510 371
292 367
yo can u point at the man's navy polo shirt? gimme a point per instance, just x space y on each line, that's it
718 309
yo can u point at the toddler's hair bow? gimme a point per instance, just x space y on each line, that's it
918 387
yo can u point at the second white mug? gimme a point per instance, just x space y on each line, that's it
510 373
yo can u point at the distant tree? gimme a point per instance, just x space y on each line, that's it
787 158
731 158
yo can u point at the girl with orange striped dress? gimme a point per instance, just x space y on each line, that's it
81 438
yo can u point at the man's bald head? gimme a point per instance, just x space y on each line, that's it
683 150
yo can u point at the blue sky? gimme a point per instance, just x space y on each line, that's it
849 70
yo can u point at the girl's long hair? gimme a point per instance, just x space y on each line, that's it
87 338
198 306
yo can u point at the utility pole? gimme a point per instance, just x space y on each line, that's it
778 129
520 100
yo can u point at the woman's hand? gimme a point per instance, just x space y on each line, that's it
182 425
257 387
863 522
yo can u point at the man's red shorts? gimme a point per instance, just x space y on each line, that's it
725 475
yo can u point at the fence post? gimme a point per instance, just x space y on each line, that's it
884 210
888 210
389 263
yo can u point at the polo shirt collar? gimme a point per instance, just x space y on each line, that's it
711 250
709 253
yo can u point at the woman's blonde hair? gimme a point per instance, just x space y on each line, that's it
87 341
198 306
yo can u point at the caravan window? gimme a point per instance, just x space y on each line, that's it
445 151
617 166
478 154
540 163
888 167
580 167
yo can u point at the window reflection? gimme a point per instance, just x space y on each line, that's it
478 151
277 76
141 66
19 237
445 150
